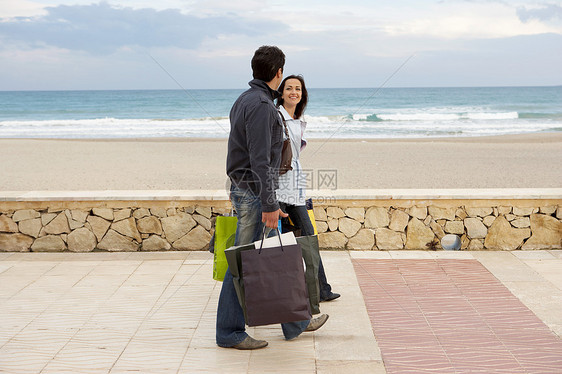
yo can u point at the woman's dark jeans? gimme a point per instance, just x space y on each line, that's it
299 215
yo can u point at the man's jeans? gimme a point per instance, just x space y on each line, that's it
231 327
301 220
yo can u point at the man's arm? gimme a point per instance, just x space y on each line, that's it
259 135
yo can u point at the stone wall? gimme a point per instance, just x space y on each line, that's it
43 225
498 227
108 229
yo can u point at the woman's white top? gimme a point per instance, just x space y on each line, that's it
292 184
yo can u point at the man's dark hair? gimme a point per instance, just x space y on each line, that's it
266 62
301 106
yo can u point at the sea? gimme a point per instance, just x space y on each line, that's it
357 113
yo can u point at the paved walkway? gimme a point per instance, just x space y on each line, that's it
401 312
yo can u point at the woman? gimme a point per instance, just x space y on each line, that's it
292 185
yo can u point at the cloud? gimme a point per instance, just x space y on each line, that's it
102 28
548 12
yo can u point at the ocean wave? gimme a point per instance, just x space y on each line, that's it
338 126
424 116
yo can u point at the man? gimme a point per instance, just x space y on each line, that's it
254 155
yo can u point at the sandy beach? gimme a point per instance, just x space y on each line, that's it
514 161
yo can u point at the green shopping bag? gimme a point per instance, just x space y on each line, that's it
225 232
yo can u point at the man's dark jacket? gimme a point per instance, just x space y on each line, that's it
255 143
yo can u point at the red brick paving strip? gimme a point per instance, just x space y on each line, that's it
452 316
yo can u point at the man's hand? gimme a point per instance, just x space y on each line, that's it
271 218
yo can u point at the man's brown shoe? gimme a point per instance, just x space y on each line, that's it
250 343
316 323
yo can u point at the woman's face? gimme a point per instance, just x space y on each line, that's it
292 92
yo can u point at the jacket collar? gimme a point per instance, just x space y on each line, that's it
262 85
286 116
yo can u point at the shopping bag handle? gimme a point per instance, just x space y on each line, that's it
263 237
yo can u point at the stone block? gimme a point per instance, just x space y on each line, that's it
81 240
488 220
479 212
99 226
30 227
437 229
418 235
364 240
177 226
321 226
47 217
475 228
155 243
454 227
332 240
357 214
115 242
105 213
25 214
158 212
333 224
59 225
504 210
521 223
475 245
205 211
335 212
121 214
7 224
548 210
141 213
461 213
348 226
149 225
420 212
128 228
79 215
15 242
196 239
320 214
521 212
376 217
49 243
502 236
442 213
387 239
203 221
398 220
546 233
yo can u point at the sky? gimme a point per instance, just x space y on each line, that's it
193 44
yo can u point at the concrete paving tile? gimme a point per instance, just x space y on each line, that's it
146 355
289 356
172 255
506 267
550 270
115 267
82 357
533 255
556 252
5 255
199 258
370 254
407 254
102 281
454 255
215 360
349 367
4 267
22 360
